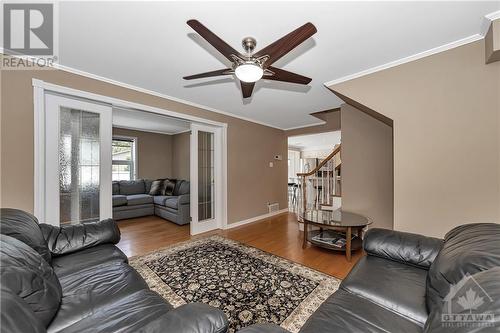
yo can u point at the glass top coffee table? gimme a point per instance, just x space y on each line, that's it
335 230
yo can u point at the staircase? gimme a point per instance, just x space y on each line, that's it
321 188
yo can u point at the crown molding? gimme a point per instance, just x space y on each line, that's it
405 60
485 24
304 126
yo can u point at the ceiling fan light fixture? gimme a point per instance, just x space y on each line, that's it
249 72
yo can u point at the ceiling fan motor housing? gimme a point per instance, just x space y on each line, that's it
249 44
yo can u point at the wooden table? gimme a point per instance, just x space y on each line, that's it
344 222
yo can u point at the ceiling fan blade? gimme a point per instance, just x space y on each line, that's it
213 39
226 71
285 44
286 76
247 88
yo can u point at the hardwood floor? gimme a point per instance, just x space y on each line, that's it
278 235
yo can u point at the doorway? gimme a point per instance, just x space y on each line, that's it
208 154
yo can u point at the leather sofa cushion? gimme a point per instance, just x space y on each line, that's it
160 199
139 199
119 200
24 227
412 249
486 287
344 312
92 290
25 273
128 187
172 202
94 256
126 314
16 314
392 285
467 249
76 237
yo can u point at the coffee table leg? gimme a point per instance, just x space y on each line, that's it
348 244
304 243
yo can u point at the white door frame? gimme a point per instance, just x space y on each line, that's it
196 226
52 125
40 88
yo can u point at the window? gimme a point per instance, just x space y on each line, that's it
124 159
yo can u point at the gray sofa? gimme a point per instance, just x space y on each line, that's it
132 199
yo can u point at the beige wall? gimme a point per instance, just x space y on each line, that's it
251 182
446 111
367 172
181 155
154 153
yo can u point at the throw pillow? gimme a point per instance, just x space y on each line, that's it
168 187
156 187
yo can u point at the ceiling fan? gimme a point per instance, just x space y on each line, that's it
251 67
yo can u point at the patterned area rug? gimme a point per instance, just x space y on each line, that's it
249 285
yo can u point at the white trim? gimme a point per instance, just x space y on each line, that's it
39 153
401 61
131 128
255 219
155 93
304 126
485 24
120 102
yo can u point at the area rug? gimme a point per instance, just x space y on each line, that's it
249 285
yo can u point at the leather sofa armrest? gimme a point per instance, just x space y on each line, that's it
183 199
412 249
190 318
263 328
70 238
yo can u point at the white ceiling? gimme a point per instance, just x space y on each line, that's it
148 122
149 45
318 141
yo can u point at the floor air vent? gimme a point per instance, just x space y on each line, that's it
273 207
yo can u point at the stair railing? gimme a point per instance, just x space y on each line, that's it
318 187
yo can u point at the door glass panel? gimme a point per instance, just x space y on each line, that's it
79 160
206 184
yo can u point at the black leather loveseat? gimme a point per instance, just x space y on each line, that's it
410 283
73 279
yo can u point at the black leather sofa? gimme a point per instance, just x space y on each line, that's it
74 279
411 283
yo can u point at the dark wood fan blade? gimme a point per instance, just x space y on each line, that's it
247 88
226 71
286 76
213 39
285 44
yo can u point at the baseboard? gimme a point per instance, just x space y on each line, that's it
256 218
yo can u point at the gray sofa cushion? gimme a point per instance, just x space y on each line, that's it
116 187
147 185
155 188
172 202
119 200
139 199
132 187
182 187
160 199
168 187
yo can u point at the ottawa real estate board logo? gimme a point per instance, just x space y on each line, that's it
28 33
466 305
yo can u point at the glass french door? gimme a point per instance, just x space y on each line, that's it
78 137
205 178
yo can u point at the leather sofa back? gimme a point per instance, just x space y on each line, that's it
26 274
467 249
24 227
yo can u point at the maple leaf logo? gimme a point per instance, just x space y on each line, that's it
470 301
